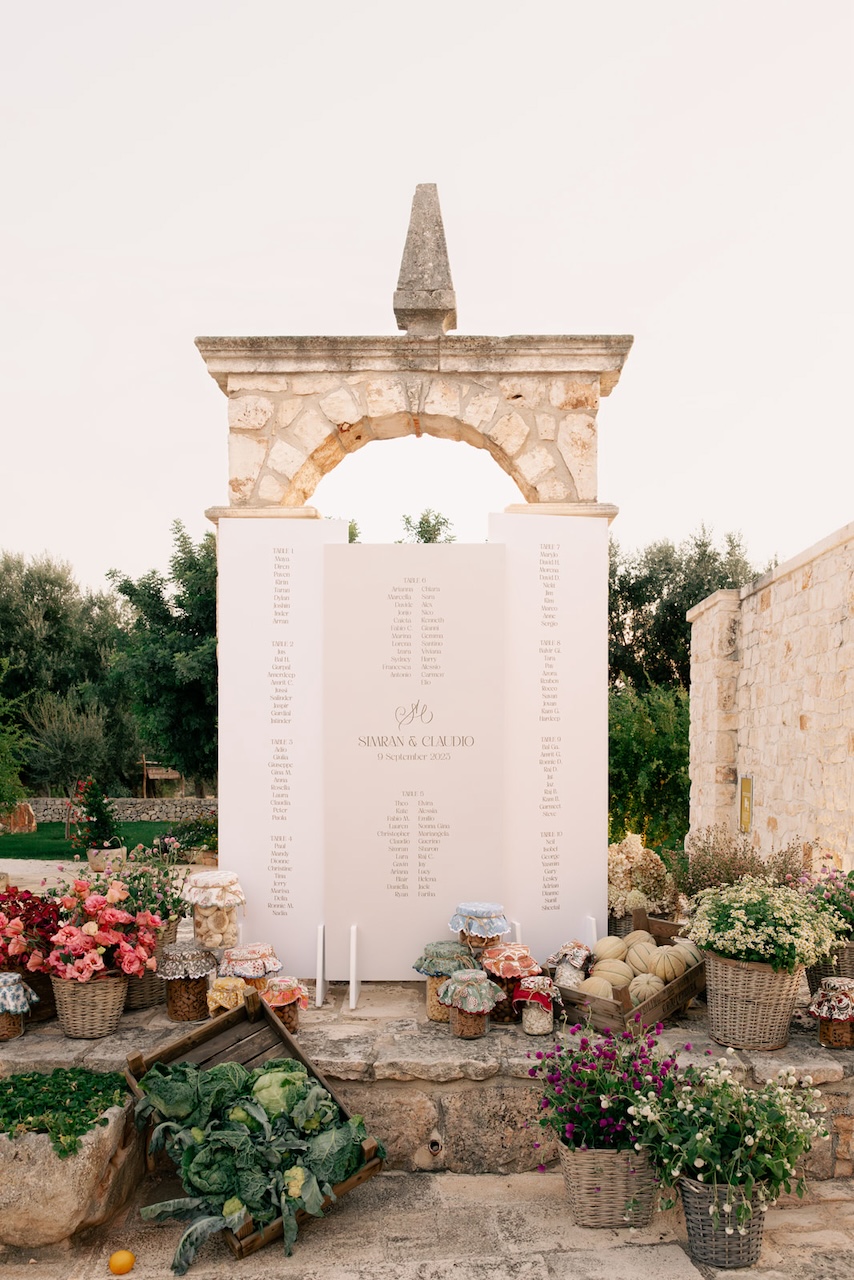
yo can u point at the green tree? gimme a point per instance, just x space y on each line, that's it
649 594
12 746
168 655
60 642
353 531
648 764
431 526
67 741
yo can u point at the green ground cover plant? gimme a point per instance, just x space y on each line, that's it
49 841
65 1105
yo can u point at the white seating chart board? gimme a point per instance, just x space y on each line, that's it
406 727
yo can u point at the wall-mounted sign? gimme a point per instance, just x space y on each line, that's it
745 805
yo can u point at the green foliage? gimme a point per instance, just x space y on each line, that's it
195 832
50 841
353 531
736 1139
765 923
168 655
60 644
65 1104
12 746
93 817
431 526
648 763
67 740
648 597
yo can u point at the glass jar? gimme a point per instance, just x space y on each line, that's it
468 1026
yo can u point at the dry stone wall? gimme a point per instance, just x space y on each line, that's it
130 809
772 698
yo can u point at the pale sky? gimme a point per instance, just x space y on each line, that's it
677 171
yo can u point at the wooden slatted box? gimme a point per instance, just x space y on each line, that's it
619 1013
250 1034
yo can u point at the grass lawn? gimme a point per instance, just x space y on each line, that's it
49 841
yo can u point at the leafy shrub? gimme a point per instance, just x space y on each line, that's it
195 832
716 856
66 1104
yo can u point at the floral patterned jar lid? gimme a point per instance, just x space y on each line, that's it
284 991
441 959
213 889
537 990
185 960
253 961
480 919
834 1000
470 990
575 953
509 960
15 995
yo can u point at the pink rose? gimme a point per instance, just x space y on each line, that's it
17 947
94 903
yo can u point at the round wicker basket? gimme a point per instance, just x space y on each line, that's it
145 992
844 967
90 1010
708 1241
608 1188
750 1006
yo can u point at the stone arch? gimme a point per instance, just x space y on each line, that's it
286 431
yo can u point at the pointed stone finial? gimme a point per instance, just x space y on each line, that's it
424 301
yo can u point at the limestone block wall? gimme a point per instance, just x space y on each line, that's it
772 698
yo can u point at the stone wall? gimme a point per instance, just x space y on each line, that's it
772 699
130 809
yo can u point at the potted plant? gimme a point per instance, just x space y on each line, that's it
95 828
831 888
97 948
757 937
591 1088
154 887
27 924
637 880
730 1150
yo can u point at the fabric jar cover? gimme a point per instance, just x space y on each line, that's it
834 1000
227 993
213 889
470 990
569 963
480 919
283 991
185 960
537 990
441 959
15 995
254 961
509 960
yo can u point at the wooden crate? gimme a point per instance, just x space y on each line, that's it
250 1034
619 1013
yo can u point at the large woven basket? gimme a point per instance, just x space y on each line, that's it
708 1241
844 967
90 1010
144 993
750 1006
608 1188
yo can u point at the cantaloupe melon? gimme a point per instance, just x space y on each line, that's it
609 948
689 955
638 935
640 955
666 965
617 972
643 986
687 945
597 987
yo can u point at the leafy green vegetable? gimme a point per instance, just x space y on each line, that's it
270 1143
65 1104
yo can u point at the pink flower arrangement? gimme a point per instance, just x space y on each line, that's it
96 936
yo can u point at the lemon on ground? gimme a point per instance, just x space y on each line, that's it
121 1262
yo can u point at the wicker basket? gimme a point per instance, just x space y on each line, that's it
844 967
11 1026
750 1006
620 926
90 1010
608 1188
146 992
708 1242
